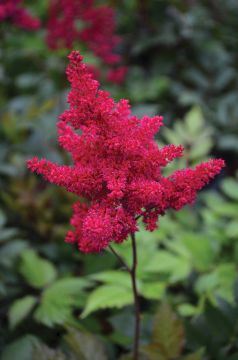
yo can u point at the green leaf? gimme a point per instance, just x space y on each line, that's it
226 274
30 348
59 299
168 332
227 209
85 345
187 310
152 290
21 349
195 356
171 136
128 356
200 248
220 282
180 130
151 352
207 282
20 309
117 277
165 262
10 251
230 188
194 120
120 339
232 229
200 149
219 206
2 219
218 324
8 234
108 296
43 352
118 320
37 271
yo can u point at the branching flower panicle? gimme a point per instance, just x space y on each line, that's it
116 165
11 10
82 20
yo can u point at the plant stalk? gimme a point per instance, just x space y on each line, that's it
132 272
136 300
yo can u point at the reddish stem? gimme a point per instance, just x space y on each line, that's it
132 272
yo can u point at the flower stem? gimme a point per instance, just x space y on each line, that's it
123 263
132 272
136 300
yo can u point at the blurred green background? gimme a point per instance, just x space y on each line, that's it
58 304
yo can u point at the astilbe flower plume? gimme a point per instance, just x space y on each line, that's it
11 10
94 26
116 165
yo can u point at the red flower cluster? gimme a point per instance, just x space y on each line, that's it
117 165
81 20
12 11
117 75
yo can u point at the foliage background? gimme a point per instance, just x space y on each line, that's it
58 304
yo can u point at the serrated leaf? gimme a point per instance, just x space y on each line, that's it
180 130
219 282
59 299
200 149
20 309
37 271
152 290
107 296
21 349
171 136
116 277
168 332
230 188
207 282
194 120
167 263
85 346
200 249
227 209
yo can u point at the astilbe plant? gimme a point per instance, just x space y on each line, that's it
12 11
94 25
116 170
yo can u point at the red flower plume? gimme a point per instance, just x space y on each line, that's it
116 165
